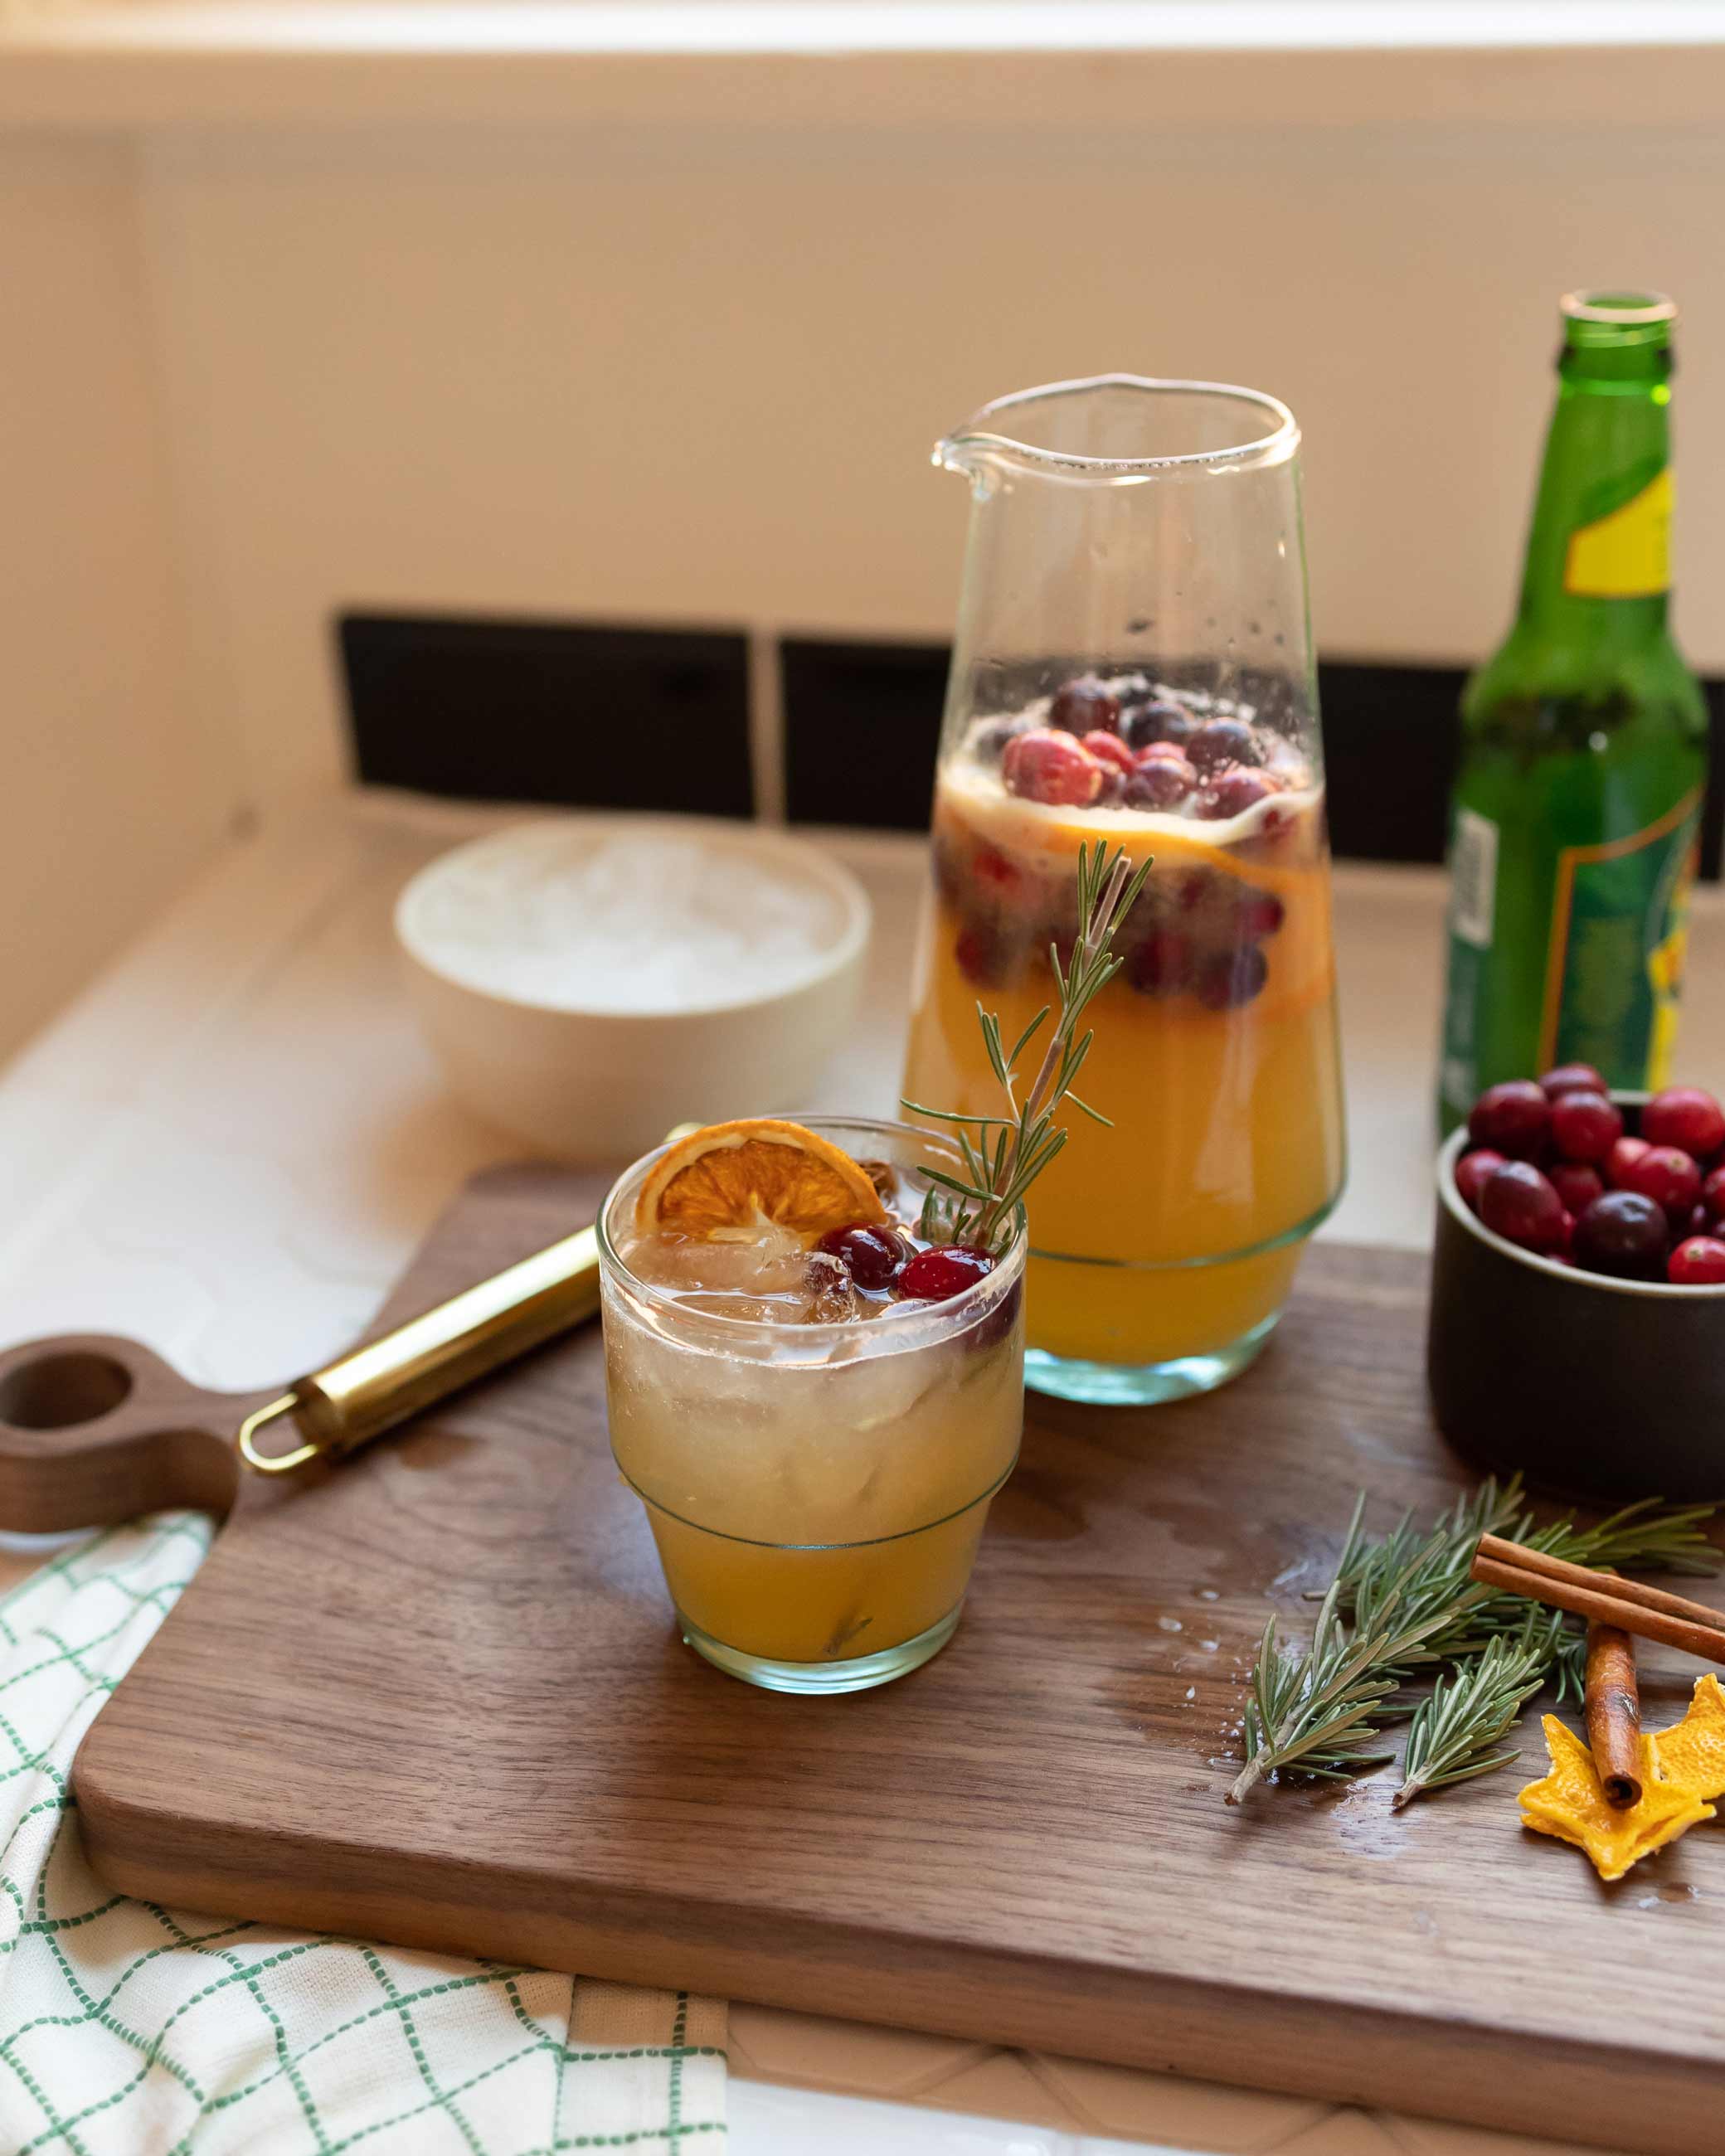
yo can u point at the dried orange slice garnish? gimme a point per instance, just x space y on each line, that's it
729 1180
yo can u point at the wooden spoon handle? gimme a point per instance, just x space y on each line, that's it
94 1428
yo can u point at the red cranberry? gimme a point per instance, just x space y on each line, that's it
1261 913
984 954
1515 1117
1621 1158
1684 1117
1160 781
1577 1184
1162 964
1669 1178
1223 740
1190 891
1624 1235
872 1256
992 867
1156 722
947 1270
1573 1078
1701 1221
1713 1194
1472 1171
1232 791
1698 1263
1232 979
1112 790
1517 1203
1082 704
1110 749
1051 767
1161 748
1584 1126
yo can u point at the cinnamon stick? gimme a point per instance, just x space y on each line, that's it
1598 1601
1613 1714
1580 1575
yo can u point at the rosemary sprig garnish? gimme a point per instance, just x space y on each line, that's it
1466 1713
1401 1605
1008 1152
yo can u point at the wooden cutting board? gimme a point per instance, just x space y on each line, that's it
434 1695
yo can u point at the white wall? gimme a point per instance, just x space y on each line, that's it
695 376
691 370
111 791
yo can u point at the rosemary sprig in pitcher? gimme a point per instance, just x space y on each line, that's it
1002 1155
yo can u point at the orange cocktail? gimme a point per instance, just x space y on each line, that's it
1161 1250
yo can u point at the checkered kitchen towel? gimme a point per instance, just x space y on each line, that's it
131 2031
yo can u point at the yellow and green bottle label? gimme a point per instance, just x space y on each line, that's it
1628 554
1565 953
1618 935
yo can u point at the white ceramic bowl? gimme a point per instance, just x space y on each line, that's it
589 982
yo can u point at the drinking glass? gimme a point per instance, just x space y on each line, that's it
1135 558
817 1491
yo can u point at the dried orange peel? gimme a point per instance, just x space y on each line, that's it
729 1181
1692 1754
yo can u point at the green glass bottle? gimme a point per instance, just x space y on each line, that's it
1577 804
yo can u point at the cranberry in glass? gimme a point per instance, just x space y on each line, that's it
1669 1178
1517 1203
1471 1171
1232 979
1261 913
1110 749
1623 1157
989 866
1223 740
871 1255
1586 1126
1624 1235
1698 1263
1573 1078
1162 964
1051 767
1232 791
1684 1116
1156 722
984 956
1576 1183
947 1270
1082 704
1160 781
1161 748
1515 1117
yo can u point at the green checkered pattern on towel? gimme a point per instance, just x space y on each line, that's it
130 2031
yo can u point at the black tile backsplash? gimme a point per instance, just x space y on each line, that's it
645 718
529 711
861 724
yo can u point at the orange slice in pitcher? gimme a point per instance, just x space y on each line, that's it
729 1180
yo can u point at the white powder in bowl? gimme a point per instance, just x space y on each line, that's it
626 921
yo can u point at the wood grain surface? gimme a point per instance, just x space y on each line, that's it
434 1695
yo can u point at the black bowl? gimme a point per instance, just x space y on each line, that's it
1593 1387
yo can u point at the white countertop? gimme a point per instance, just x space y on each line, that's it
228 1146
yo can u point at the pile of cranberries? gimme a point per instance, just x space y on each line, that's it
1120 744
1551 1167
881 1261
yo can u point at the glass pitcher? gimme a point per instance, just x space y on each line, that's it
1133 663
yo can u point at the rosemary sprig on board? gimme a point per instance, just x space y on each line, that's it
1008 1152
1402 1605
1456 1727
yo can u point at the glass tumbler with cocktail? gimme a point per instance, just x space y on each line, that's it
815 1354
